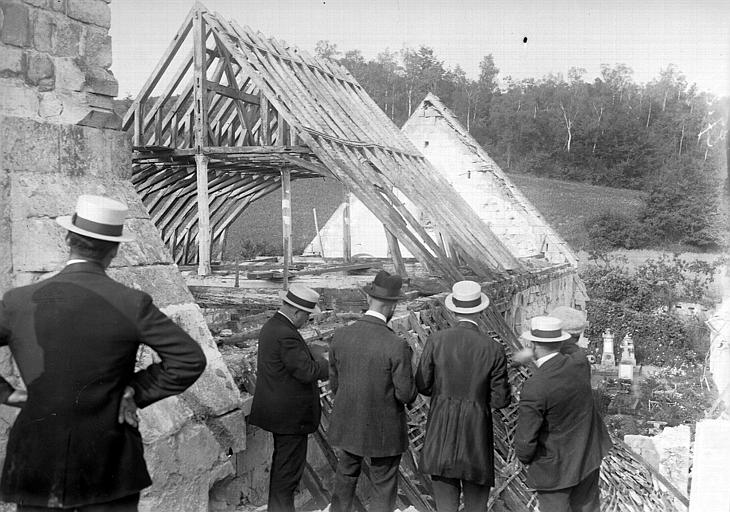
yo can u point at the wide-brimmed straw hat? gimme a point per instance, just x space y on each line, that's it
466 297
546 329
385 286
98 217
574 320
301 297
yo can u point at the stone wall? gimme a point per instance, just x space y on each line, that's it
55 57
190 439
56 95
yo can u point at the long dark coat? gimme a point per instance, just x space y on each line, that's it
372 380
75 338
286 400
465 374
560 433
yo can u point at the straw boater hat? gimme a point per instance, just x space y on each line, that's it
301 297
574 321
98 217
385 286
546 329
466 297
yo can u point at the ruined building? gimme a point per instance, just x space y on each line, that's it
239 116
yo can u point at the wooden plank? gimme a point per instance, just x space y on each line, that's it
201 162
346 234
395 254
264 130
230 92
286 222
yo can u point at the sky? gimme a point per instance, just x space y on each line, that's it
646 35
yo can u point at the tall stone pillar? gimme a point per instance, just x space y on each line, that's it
58 140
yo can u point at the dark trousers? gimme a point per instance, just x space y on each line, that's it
287 467
584 497
126 504
383 475
446 492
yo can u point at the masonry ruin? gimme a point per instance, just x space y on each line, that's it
241 117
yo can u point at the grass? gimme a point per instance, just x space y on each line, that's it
566 205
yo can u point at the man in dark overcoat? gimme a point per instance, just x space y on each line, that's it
75 444
286 399
465 374
372 381
560 434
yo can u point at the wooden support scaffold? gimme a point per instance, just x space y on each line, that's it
242 114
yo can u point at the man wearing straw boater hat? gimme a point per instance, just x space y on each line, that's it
465 374
372 381
75 444
286 400
560 434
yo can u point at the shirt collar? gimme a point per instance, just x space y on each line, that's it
544 359
286 316
376 315
76 260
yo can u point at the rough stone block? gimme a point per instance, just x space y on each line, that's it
51 195
162 282
710 480
101 81
6 262
17 99
58 5
15 29
230 431
69 75
90 11
90 151
50 106
254 465
28 145
146 249
11 61
26 278
97 47
66 37
40 68
37 3
38 245
163 419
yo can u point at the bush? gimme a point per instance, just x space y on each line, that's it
659 338
611 230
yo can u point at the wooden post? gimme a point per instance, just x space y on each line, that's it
286 221
346 233
394 248
200 101
264 114
201 164
138 137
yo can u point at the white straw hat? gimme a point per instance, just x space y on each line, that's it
98 217
466 297
301 297
546 329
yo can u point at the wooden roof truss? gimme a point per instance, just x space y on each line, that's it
242 115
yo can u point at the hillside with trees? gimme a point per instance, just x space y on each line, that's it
665 138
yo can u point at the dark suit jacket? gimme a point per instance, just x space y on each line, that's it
560 433
286 400
75 338
465 374
372 380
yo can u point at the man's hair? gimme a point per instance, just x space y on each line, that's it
88 247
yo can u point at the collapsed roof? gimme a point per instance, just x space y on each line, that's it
242 112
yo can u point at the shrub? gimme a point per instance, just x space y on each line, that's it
612 230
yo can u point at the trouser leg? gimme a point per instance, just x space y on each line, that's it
384 475
586 496
348 471
554 501
446 493
475 496
287 467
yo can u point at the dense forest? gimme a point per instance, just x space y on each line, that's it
664 137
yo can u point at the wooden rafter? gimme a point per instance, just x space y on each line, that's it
254 107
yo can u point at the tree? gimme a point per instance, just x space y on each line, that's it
326 50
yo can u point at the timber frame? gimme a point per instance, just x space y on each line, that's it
243 115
